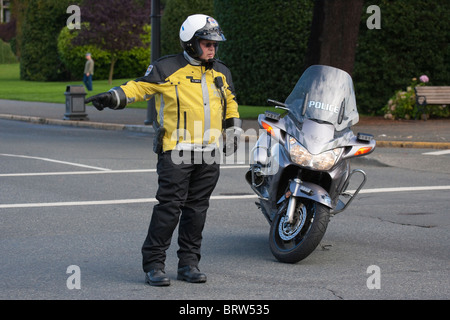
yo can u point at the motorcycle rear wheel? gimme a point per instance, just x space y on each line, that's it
293 243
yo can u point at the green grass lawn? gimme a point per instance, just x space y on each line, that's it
12 88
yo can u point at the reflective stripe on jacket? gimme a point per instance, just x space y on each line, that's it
188 103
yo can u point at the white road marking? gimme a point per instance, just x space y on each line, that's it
234 197
104 202
55 161
404 189
74 173
105 171
437 153
75 203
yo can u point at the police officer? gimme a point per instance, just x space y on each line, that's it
195 101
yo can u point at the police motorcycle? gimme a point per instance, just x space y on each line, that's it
300 165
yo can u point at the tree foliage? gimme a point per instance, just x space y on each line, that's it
131 63
8 30
114 26
6 54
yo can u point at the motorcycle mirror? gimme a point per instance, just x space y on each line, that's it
278 105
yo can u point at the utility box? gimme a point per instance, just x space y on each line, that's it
75 106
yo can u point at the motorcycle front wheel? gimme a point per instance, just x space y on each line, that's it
291 243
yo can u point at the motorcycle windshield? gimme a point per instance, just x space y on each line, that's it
324 94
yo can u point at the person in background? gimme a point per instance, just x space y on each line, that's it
88 72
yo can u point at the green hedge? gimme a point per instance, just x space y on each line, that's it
266 45
267 42
39 56
175 12
413 40
6 54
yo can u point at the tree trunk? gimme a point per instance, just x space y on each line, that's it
334 33
111 69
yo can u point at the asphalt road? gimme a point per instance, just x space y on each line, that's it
83 197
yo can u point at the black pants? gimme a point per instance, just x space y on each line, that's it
184 189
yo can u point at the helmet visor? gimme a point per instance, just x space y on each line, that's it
214 34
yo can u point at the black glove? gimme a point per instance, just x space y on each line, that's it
231 145
103 100
232 135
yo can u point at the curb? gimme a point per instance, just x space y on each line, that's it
82 124
149 129
413 144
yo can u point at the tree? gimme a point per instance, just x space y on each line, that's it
130 64
18 10
8 30
114 25
334 33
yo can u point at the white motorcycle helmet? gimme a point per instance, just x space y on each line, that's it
199 26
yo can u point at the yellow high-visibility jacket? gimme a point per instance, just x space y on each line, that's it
189 105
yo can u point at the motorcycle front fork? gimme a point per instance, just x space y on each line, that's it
291 210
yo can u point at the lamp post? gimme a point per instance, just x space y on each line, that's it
155 54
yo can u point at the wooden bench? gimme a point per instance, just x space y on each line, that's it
431 96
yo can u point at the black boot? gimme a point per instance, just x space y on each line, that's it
191 274
157 277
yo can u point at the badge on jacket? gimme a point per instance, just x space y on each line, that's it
150 68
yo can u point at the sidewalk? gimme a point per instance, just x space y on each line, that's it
388 133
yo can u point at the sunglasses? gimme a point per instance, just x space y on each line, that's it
211 44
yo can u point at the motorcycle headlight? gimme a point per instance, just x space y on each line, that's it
322 161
